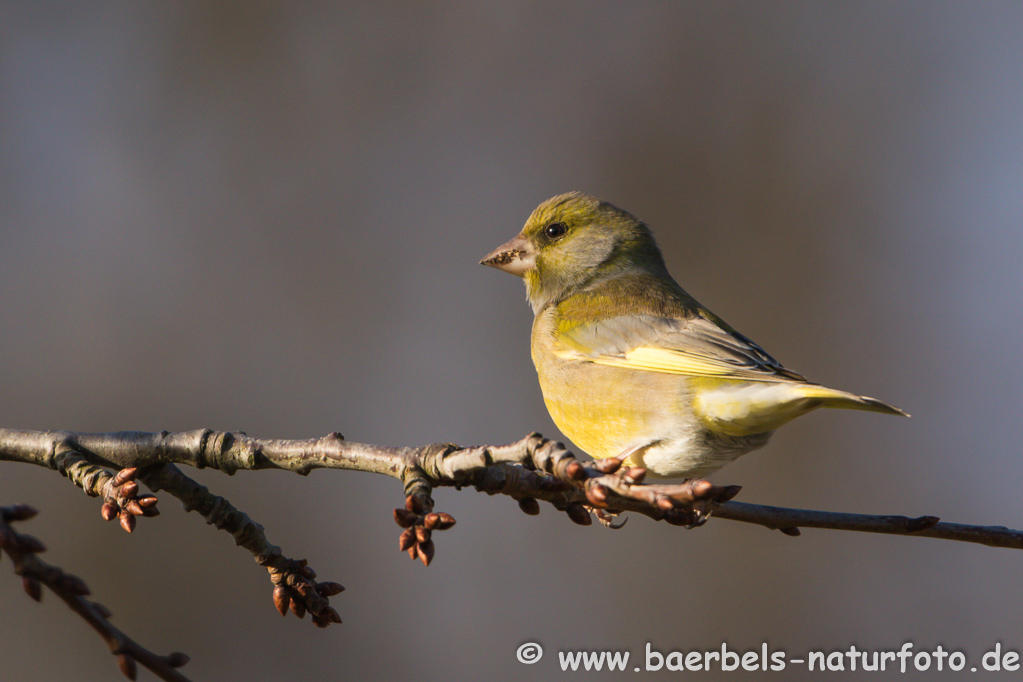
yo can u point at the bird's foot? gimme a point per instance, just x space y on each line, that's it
606 517
610 487
688 504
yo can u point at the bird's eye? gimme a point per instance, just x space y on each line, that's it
555 230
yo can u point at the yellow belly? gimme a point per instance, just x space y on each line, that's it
606 410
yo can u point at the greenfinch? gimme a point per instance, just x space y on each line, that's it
632 366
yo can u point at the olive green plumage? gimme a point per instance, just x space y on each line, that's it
629 363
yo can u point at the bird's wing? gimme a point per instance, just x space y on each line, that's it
697 346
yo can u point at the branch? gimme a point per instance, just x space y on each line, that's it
789 521
295 587
35 572
531 470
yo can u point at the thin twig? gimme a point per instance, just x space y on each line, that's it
294 581
35 572
789 520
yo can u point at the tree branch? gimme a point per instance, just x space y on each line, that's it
533 468
789 521
530 470
294 580
35 572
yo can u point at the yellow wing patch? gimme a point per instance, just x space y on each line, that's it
673 361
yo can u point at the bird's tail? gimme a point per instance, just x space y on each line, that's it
831 397
746 408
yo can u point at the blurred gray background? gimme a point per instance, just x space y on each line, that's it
268 218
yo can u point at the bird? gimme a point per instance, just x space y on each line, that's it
630 365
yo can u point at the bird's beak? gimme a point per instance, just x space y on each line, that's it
516 257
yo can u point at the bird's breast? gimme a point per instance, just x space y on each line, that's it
608 410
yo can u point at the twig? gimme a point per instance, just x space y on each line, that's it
295 587
35 572
790 520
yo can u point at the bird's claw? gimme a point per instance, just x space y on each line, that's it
687 504
612 486
607 517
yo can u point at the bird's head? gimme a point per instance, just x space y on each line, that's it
572 240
